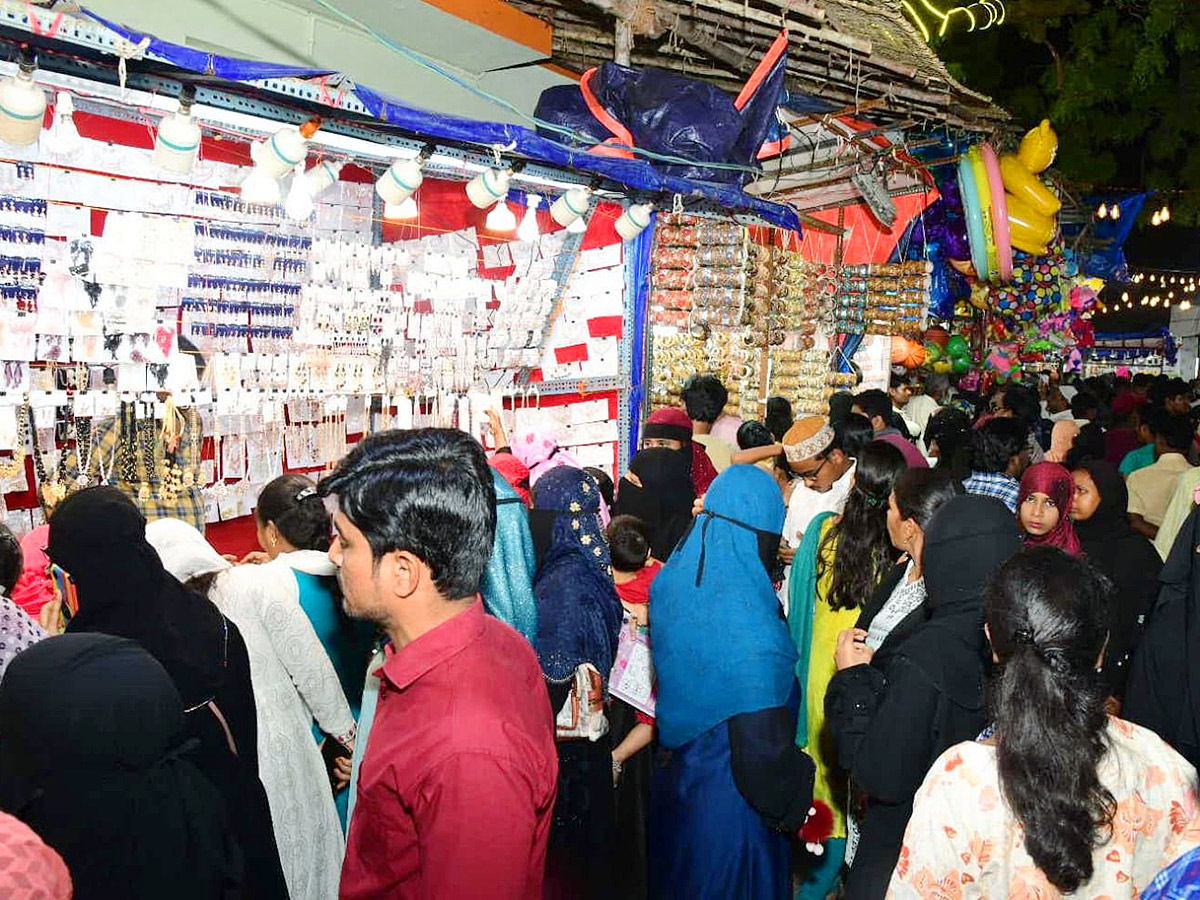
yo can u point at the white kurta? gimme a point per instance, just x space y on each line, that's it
294 682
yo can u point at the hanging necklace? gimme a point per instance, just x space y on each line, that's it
127 441
12 468
148 467
170 436
106 474
83 436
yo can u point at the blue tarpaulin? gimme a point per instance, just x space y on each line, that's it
638 175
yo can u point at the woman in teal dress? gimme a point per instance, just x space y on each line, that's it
294 530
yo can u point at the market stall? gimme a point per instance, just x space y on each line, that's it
339 263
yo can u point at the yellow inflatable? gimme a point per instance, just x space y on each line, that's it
1031 205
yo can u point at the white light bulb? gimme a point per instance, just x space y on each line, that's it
406 209
299 204
571 206
528 232
62 139
488 187
1125 295
1102 212
260 188
22 105
1165 215
400 181
1156 219
501 218
634 220
1116 212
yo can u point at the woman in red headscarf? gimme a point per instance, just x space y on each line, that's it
1044 507
671 428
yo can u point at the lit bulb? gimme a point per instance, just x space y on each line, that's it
63 137
406 209
1186 304
1165 215
501 218
1171 294
1125 295
299 204
1116 212
528 232
1172 279
260 188
1102 212
1156 219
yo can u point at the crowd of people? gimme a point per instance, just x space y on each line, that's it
930 644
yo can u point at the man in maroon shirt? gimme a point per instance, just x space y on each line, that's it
458 782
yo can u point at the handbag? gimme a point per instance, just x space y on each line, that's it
582 715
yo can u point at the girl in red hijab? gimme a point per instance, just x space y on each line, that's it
1044 507
671 428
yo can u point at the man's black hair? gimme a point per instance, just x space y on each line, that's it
995 442
895 380
629 540
754 434
704 397
1176 432
1023 404
1084 406
874 402
428 492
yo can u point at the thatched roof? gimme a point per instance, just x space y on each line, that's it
849 53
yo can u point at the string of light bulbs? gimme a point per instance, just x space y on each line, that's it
1162 287
980 15
1160 217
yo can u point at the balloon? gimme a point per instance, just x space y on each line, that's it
960 365
1039 147
1023 184
932 353
936 334
942 365
957 346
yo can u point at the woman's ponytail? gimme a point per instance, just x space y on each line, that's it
1045 614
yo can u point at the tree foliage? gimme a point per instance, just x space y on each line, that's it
1120 79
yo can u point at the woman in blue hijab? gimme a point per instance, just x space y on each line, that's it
508 580
734 788
579 618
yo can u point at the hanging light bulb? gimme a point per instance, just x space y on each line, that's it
62 138
634 220
501 218
490 185
1125 295
1102 212
571 206
403 177
398 212
260 188
1165 213
1156 219
1172 279
1116 211
1145 300
22 104
299 203
1185 305
285 149
177 143
528 231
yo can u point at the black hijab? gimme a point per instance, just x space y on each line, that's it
664 499
1163 693
99 537
968 538
1128 559
90 758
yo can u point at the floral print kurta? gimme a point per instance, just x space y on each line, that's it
963 842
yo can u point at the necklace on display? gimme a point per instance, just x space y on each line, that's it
83 436
14 467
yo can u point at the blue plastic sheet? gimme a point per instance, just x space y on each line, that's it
635 174
1107 259
637 287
